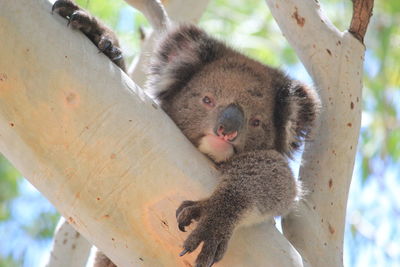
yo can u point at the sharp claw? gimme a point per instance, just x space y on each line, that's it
53 7
117 57
69 21
183 252
181 227
106 45
177 212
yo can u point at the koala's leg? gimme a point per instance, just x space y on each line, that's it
103 37
253 181
102 260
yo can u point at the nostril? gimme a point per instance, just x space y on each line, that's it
228 136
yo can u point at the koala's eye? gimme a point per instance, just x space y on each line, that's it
208 101
255 122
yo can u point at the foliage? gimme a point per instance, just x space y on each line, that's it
27 220
9 262
376 207
8 190
8 187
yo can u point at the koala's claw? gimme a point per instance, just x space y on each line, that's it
117 57
215 241
106 46
187 212
214 233
181 227
76 17
183 205
79 20
183 252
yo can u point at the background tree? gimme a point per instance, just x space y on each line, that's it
379 148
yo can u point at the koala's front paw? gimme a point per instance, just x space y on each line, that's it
213 229
99 34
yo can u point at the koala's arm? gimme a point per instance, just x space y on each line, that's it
252 182
261 179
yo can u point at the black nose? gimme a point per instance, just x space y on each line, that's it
230 120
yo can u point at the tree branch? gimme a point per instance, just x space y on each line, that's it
177 11
69 247
335 62
153 11
113 163
362 12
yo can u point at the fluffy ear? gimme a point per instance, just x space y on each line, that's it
182 51
296 113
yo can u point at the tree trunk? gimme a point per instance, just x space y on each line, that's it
113 163
334 60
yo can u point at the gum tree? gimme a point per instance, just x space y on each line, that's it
88 138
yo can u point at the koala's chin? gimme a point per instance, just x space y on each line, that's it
216 148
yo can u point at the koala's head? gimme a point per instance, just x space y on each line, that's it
225 102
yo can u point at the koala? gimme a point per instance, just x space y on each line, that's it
248 118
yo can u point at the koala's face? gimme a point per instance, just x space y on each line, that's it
226 108
225 102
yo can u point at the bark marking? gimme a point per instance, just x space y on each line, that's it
299 19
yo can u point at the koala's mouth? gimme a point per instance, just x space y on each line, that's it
219 148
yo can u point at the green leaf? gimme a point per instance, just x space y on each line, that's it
43 225
393 144
9 262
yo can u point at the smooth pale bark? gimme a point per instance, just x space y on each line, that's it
179 11
335 62
70 248
113 163
153 11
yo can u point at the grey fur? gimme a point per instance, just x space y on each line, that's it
189 65
202 84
